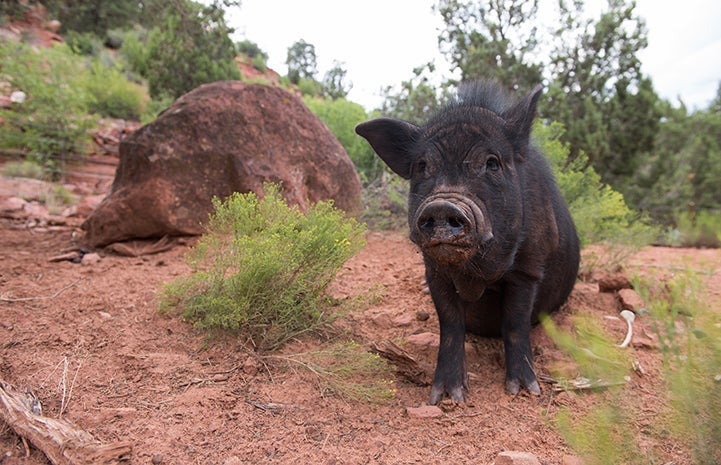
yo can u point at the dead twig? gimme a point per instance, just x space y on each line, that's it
45 297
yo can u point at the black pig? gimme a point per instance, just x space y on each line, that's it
498 242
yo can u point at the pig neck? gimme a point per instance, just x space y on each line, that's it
468 287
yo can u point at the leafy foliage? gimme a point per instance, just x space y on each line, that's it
599 211
302 62
111 94
191 47
262 267
492 39
598 90
334 83
341 117
52 123
417 97
689 331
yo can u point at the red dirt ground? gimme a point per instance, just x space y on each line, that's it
90 342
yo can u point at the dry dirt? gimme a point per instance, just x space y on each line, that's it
91 344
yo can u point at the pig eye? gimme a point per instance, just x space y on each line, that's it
492 164
423 168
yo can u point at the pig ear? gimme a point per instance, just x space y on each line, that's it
519 118
391 139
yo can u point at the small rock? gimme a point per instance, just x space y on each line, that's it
383 320
105 315
630 300
424 339
403 320
516 458
424 411
422 315
613 282
12 204
234 460
157 459
90 259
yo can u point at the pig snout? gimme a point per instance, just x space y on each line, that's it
450 224
442 222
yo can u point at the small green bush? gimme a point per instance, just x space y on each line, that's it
689 331
112 94
341 117
695 229
23 169
84 43
599 212
134 51
262 267
53 122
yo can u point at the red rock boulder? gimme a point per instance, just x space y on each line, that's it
218 139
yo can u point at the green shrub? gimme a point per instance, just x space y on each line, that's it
341 117
695 229
689 331
23 169
189 48
262 267
134 51
309 87
84 43
600 213
600 369
112 94
53 121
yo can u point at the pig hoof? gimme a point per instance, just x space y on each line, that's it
439 392
513 386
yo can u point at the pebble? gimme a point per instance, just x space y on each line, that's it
630 300
90 259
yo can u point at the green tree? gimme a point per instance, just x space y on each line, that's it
96 16
417 97
191 47
334 82
492 39
598 90
681 174
301 61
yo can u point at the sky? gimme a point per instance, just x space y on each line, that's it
380 42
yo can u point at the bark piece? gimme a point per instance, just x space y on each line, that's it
62 442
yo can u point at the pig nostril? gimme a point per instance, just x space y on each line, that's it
454 222
426 223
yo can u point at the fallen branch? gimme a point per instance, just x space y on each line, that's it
406 365
62 442
45 297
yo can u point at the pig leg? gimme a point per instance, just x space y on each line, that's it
450 377
518 303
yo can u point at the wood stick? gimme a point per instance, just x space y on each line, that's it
62 442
